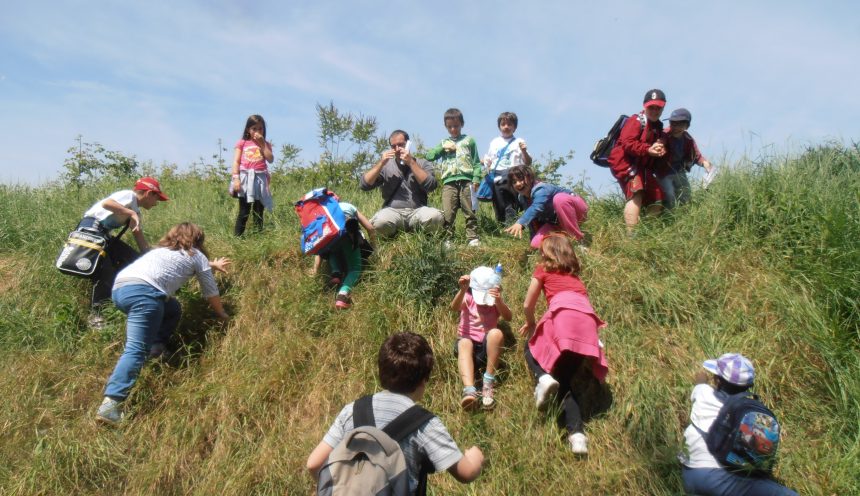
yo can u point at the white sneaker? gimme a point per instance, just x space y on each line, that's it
110 411
578 443
95 321
474 242
448 244
544 391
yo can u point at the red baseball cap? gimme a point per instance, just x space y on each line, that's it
654 97
150 184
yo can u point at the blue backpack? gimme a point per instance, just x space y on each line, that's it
745 435
322 219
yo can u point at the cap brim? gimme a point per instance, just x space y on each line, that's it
162 196
482 297
657 103
711 366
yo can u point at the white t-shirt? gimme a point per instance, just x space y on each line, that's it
167 270
108 219
706 406
512 156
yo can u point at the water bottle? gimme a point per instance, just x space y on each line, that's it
498 275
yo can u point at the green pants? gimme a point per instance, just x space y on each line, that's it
345 259
458 194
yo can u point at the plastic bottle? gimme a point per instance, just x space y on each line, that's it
498 274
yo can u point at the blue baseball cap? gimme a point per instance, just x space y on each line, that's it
680 114
734 368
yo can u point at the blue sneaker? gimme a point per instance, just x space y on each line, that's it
110 412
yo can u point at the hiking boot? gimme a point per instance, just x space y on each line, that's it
578 443
487 392
156 350
544 391
470 399
110 412
95 321
342 301
474 242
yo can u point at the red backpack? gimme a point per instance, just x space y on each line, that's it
323 222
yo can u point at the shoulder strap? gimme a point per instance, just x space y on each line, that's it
643 121
407 422
124 229
501 152
393 193
362 412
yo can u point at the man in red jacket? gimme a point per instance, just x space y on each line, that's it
633 159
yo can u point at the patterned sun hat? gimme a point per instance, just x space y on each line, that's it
734 368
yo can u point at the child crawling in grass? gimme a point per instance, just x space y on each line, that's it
345 257
565 339
479 340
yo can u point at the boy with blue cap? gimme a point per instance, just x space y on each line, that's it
681 154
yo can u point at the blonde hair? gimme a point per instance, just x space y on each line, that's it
185 236
557 254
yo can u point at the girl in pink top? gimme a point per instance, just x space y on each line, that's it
479 340
250 182
565 339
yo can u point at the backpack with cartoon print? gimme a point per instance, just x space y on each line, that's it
745 435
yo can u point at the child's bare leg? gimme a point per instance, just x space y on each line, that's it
631 211
466 362
495 339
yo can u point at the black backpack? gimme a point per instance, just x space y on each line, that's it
369 460
603 147
745 435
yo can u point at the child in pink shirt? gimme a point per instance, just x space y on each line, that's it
250 178
565 339
479 340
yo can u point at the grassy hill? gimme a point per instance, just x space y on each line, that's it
766 263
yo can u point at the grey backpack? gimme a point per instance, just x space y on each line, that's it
369 461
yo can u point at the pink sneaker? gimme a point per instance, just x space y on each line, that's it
342 301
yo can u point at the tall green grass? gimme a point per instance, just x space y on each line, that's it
765 262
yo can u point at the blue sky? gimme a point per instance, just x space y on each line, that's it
163 81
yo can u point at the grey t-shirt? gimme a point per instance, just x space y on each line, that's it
399 187
432 440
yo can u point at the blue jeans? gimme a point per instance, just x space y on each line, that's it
720 482
676 189
152 318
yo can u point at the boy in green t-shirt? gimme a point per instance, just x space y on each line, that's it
461 174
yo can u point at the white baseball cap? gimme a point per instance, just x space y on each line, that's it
481 280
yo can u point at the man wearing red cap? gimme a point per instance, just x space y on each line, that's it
632 160
119 209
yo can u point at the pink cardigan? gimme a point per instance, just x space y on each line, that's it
569 324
